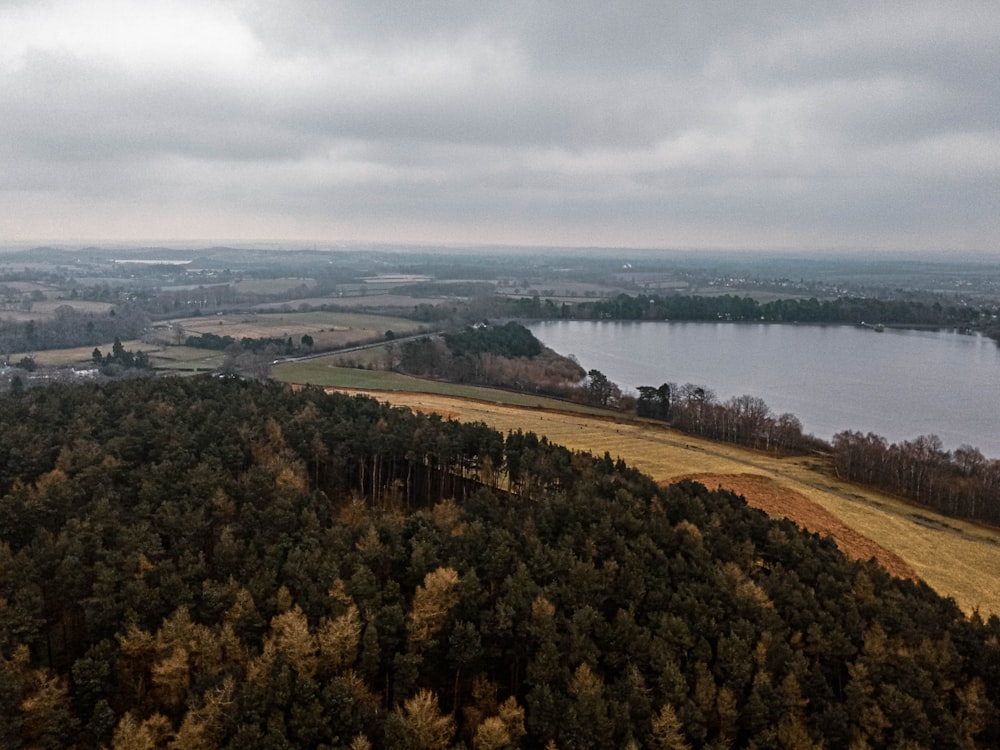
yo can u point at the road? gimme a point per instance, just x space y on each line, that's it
360 347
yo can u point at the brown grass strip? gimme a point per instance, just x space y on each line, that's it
769 496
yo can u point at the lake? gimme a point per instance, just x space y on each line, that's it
898 384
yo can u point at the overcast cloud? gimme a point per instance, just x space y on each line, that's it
795 125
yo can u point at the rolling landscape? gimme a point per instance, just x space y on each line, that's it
275 462
499 376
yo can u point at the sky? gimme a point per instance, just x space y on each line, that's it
795 126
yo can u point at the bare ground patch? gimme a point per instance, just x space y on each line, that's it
769 496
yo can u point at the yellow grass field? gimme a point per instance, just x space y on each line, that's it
956 558
80 354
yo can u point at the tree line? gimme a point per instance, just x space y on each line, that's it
744 420
844 310
70 328
848 310
960 483
120 357
215 342
205 563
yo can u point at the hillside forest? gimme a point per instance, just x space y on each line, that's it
214 563
506 355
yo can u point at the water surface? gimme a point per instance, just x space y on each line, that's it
898 384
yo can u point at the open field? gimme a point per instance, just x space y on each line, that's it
161 357
356 302
956 558
46 309
328 329
80 354
272 286
369 358
24 287
320 372
186 358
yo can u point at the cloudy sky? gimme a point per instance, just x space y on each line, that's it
782 125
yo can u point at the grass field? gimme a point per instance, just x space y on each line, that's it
956 558
328 329
272 286
46 309
161 357
370 358
80 354
320 372
186 358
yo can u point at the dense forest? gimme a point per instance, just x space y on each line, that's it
202 563
505 355
70 327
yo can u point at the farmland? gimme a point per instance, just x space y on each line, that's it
46 309
328 329
275 286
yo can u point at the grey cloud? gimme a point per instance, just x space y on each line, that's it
816 121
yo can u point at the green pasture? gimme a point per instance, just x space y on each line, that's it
165 358
371 358
321 372
186 358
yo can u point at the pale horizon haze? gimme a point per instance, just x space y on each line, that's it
782 126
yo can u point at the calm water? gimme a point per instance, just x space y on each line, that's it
898 384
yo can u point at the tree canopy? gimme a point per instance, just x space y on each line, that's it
205 562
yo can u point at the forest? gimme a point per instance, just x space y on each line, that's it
214 563
70 327
508 356
961 483
843 310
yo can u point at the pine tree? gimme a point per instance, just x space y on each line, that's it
431 604
420 725
667 731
